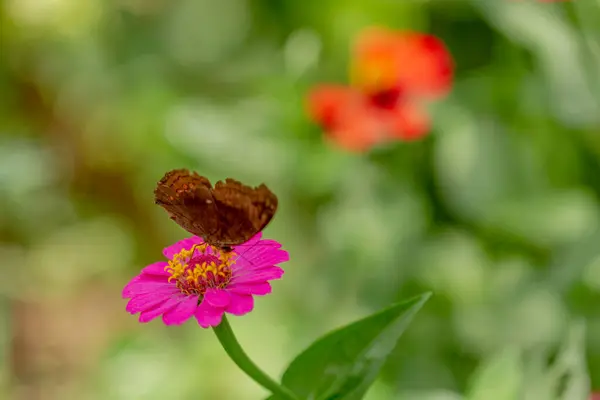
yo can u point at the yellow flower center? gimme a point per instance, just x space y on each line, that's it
374 74
200 268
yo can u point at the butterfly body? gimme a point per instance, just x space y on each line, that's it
226 215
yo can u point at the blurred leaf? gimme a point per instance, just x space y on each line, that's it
486 176
500 378
588 15
566 378
430 395
199 33
552 219
345 363
475 161
544 30
568 266
571 366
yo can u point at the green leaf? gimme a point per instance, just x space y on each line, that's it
500 378
588 16
545 30
567 378
439 394
344 363
570 367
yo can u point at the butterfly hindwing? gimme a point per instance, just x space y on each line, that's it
227 215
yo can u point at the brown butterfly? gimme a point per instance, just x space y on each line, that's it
228 214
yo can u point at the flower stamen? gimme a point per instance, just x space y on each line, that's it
201 267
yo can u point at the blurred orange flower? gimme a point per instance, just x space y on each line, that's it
392 73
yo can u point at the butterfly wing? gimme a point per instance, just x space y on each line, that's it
187 197
243 211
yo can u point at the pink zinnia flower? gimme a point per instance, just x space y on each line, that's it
202 281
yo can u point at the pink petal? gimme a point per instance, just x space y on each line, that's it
126 293
158 268
251 276
259 289
250 243
240 304
217 298
152 313
143 303
176 248
207 315
273 244
260 257
260 245
181 312
144 285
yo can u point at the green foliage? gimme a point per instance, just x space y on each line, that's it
497 211
344 363
500 378
508 375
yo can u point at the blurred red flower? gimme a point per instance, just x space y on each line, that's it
595 396
392 73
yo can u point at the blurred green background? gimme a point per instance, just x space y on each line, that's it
496 211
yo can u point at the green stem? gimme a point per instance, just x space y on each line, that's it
234 350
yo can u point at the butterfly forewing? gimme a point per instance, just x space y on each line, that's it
227 215
243 211
188 200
